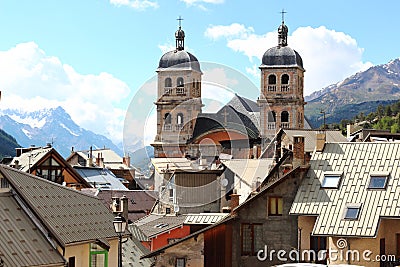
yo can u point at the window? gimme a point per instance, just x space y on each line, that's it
275 206
331 181
272 79
167 118
179 119
352 211
318 244
71 262
179 82
378 182
98 256
180 262
285 116
271 116
252 240
51 170
285 79
168 82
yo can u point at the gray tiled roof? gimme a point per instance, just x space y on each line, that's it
161 224
356 162
140 202
21 243
71 216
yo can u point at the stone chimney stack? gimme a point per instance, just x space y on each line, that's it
321 139
298 151
124 206
90 158
234 200
126 160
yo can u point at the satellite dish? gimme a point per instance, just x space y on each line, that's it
176 208
224 182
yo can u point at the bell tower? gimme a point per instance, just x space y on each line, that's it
178 99
281 98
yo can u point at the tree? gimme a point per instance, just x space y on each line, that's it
388 111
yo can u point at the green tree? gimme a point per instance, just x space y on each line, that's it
388 111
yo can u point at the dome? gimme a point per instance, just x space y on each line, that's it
282 56
179 59
180 33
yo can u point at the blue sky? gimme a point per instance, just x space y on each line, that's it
92 56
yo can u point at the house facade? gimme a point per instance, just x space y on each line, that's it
347 204
78 226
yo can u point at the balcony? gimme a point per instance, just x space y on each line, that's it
179 127
285 125
167 127
271 88
271 125
285 88
168 91
180 91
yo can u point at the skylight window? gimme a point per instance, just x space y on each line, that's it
331 181
378 182
352 212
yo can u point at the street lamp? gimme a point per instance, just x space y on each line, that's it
119 227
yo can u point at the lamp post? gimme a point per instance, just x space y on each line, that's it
119 227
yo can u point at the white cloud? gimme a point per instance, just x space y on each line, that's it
229 32
200 3
31 80
166 47
135 4
328 56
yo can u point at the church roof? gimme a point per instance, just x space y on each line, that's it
282 55
240 115
179 59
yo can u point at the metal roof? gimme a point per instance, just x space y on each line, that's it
71 216
204 218
178 59
21 243
281 57
29 159
356 162
101 178
161 225
310 137
248 170
171 164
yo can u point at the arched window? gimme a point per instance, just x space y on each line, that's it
271 116
179 119
285 116
272 79
285 83
167 118
179 82
285 79
271 83
168 82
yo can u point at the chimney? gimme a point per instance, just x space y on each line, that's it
16 164
126 160
72 150
321 138
124 207
234 200
101 161
98 159
90 159
298 151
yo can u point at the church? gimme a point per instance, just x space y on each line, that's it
243 127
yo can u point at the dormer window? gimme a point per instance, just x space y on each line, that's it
331 180
378 181
352 211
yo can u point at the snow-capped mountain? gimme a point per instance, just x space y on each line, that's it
51 126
